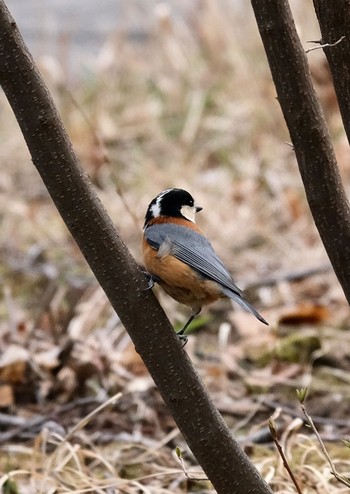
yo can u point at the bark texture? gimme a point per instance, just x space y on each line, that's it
334 20
206 433
309 134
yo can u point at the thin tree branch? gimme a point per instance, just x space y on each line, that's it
326 45
273 432
206 433
301 393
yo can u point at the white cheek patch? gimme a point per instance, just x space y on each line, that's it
189 213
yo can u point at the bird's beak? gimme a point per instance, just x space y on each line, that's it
198 208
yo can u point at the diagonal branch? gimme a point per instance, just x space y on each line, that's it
206 433
302 112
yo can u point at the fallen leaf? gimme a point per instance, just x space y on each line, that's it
304 314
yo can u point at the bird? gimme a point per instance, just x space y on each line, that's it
178 256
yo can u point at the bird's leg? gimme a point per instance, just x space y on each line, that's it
182 331
182 337
151 280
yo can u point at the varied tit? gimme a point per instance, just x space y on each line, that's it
181 260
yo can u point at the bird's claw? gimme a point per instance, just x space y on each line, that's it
183 339
151 281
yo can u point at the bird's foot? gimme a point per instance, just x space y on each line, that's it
151 280
181 333
183 339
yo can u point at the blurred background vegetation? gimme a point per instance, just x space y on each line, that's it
155 95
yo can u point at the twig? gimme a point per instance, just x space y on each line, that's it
52 466
295 414
178 455
248 417
341 478
38 420
294 276
326 45
8 477
273 431
89 416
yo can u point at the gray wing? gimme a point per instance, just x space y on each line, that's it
193 249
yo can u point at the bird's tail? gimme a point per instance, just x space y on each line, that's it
243 303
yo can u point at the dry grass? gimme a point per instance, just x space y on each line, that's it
191 106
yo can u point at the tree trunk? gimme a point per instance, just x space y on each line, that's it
310 137
334 20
